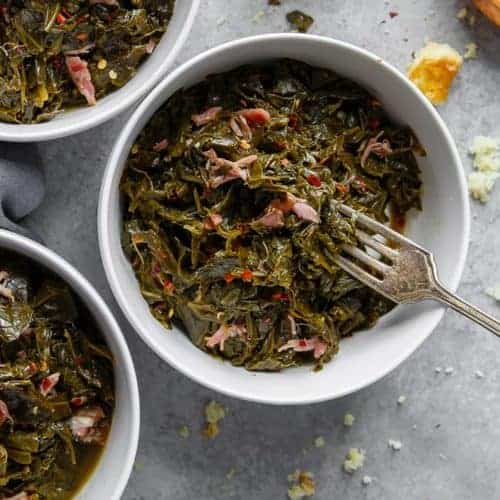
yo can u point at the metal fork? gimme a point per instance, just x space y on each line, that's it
408 272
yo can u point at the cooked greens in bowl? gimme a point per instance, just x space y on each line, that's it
56 385
230 220
59 54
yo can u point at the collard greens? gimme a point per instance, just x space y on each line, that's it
58 54
231 224
56 386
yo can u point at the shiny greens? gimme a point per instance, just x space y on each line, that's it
37 37
56 385
230 220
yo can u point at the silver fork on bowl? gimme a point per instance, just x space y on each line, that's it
406 274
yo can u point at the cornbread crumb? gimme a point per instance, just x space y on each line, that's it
481 184
494 291
348 420
470 51
401 399
258 16
304 486
319 442
214 413
486 152
395 444
367 480
434 69
113 75
354 460
184 432
462 13
102 64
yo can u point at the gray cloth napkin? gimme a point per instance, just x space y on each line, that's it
22 185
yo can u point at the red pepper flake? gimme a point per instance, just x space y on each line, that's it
293 121
374 123
281 144
341 187
361 185
314 180
393 14
168 286
60 19
247 275
280 296
229 277
79 360
48 383
82 36
31 369
78 401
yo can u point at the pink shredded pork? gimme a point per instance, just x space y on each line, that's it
20 496
113 3
80 74
379 148
84 423
255 116
223 333
4 291
212 221
298 206
223 170
273 219
4 413
305 345
160 146
207 116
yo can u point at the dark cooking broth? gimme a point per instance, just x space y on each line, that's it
56 385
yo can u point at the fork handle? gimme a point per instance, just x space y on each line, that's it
472 312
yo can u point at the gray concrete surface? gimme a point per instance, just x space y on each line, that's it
449 425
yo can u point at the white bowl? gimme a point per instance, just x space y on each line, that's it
114 467
148 75
443 227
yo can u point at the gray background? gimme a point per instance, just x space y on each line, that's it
449 425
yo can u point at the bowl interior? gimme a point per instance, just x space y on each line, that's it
442 227
147 76
113 470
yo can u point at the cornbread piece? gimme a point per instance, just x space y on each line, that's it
490 8
304 485
214 413
348 420
354 460
434 69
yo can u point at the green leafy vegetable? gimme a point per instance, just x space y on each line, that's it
231 223
58 54
56 386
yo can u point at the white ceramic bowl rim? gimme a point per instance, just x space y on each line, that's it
91 117
83 289
129 133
